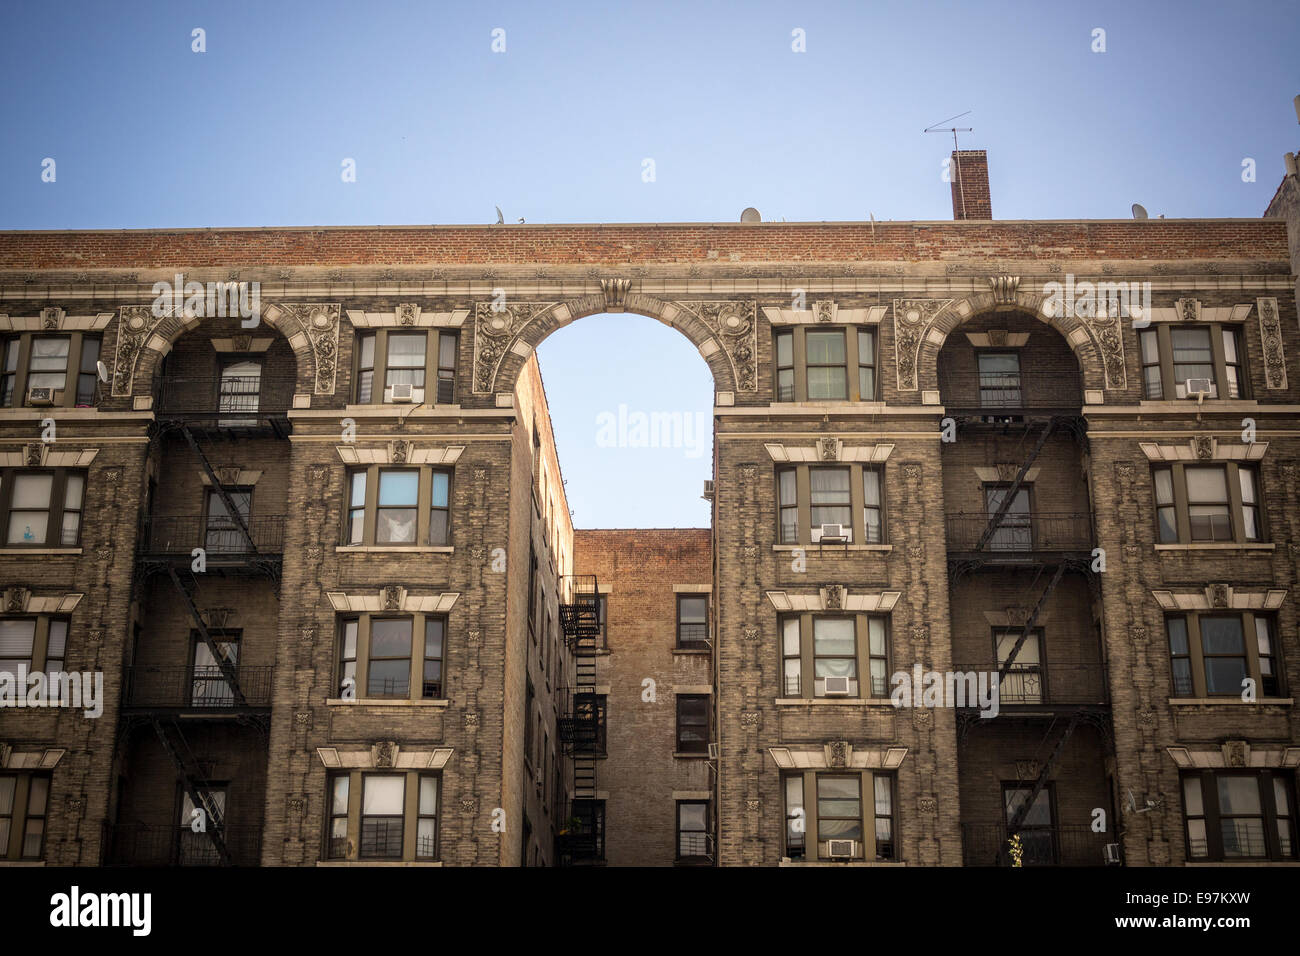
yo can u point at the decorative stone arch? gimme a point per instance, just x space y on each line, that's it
724 331
312 330
1097 342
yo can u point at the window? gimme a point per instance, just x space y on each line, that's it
591 734
839 808
239 394
602 639
692 723
37 643
851 496
222 532
844 806
64 364
692 622
398 359
1000 380
42 508
1211 655
208 684
816 648
588 825
24 798
818 364
1204 504
1239 815
1174 355
1016 532
1038 825
398 507
796 817
196 849
381 653
371 818
694 841
1023 681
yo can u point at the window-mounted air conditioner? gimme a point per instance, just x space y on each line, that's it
40 396
402 393
838 686
708 490
713 751
831 534
1199 386
841 849
1110 853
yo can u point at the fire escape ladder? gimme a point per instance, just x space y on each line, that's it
228 671
1030 622
183 757
231 510
1010 494
1014 824
581 624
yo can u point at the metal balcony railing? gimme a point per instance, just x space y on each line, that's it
987 844
181 534
1054 684
695 846
196 688
1001 390
141 844
1021 532
693 636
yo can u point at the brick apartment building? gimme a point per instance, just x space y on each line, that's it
326 569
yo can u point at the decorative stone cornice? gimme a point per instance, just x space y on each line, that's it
392 598
828 449
866 601
384 754
913 321
46 455
1218 596
806 757
20 600
1270 333
55 320
44 759
1204 448
408 315
1234 753
826 311
400 452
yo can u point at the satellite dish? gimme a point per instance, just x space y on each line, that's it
750 215
102 370
1139 211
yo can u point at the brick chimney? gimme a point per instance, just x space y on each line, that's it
970 185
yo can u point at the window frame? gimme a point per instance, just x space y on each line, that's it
1163 333
40 649
65 397
1018 387
1249 637
813 848
707 831
20 816
1232 472
802 506
1267 781
693 748
424 508
694 644
56 506
863 656
411 816
853 364
361 674
379 369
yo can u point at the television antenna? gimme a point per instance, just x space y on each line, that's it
940 127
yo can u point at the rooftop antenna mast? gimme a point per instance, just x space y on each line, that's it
939 127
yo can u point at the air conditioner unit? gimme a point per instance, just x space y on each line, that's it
831 534
1110 853
841 849
402 393
708 490
713 751
40 396
1199 386
837 686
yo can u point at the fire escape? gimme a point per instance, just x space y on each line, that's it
1050 546
582 839
167 698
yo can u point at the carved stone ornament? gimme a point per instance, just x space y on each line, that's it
734 326
16 600
400 451
467 806
302 718
392 597
496 326
752 805
1146 718
296 804
95 635
1107 334
307 634
615 293
407 313
34 454
1004 288
477 552
748 472
384 753
921 717
749 719
1137 633
1236 753
927 804
1203 447
242 343
1189 310
828 449
834 597
1218 595
1270 333
750 632
471 720
319 474
228 475
1007 470
912 320
1124 470
135 324
912 472
314 554
824 310
51 318
837 753
1027 769
473 635
750 551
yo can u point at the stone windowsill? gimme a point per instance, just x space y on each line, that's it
41 551
690 756
836 701
1219 546
394 549
379 863
882 548
1231 701
692 651
384 702
786 861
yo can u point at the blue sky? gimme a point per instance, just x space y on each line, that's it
147 133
